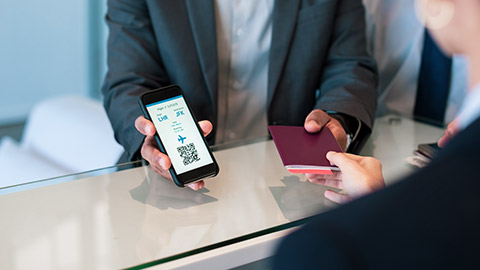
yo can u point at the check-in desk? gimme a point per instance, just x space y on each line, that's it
124 217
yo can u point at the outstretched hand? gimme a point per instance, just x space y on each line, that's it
317 119
450 132
358 176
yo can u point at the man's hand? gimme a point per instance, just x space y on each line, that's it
450 132
160 162
358 176
318 118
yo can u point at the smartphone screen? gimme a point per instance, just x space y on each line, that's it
179 135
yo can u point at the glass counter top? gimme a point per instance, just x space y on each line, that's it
129 217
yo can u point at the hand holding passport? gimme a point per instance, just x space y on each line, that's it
304 152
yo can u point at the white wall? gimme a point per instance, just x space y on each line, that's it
46 50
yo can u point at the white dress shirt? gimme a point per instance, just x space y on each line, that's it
244 30
396 38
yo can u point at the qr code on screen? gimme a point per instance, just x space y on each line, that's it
188 153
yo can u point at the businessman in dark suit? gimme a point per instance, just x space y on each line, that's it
429 220
318 70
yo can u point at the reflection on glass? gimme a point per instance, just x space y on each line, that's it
160 237
161 193
300 199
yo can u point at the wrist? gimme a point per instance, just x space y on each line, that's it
351 125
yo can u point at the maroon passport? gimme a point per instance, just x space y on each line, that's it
303 152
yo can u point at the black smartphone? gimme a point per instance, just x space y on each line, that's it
430 150
178 135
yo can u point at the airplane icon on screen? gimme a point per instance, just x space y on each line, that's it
181 139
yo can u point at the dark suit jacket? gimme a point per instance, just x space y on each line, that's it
430 220
318 59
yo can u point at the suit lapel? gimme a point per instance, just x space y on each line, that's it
202 21
284 18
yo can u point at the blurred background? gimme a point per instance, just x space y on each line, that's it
52 63
49 47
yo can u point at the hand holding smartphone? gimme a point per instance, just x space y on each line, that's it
178 135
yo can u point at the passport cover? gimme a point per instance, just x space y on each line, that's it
303 152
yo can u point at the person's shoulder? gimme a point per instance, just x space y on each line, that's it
313 246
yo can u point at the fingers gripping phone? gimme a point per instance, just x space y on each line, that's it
178 135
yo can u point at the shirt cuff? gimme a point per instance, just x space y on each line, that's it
352 125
